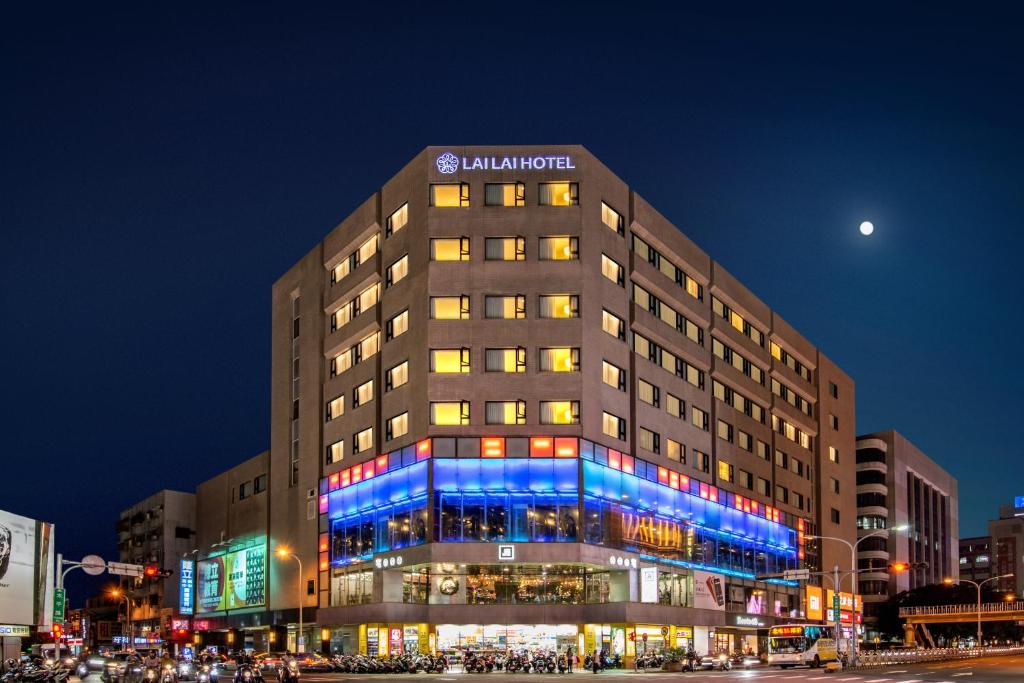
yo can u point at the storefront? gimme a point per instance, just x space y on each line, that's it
502 637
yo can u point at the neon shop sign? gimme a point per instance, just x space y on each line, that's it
449 163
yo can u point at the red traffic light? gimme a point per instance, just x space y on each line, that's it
899 567
58 631
151 570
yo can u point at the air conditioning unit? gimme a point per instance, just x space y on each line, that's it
310 494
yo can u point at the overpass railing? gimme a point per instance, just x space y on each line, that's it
986 607
871 658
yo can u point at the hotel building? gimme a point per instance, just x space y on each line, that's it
514 406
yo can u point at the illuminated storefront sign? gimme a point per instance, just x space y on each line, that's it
506 553
448 163
814 611
186 587
15 631
742 620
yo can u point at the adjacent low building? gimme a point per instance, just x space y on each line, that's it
976 558
1007 546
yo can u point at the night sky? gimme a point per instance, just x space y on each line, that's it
162 166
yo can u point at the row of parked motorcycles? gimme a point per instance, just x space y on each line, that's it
524 661
400 664
36 671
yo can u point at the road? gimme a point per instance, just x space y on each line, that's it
1005 669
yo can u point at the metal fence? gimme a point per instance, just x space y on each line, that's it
871 658
970 608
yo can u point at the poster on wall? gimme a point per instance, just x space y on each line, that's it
26 555
232 581
709 591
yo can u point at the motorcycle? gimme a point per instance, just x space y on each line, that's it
247 674
288 673
203 674
168 674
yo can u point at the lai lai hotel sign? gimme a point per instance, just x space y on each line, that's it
448 163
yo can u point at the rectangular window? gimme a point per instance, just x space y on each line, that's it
449 360
650 441
562 359
505 249
361 255
449 413
559 412
648 393
725 431
833 422
368 298
362 441
833 454
368 347
699 418
613 325
675 451
613 426
505 360
449 307
559 306
834 515
397 325
782 494
675 406
397 220
763 450
834 484
559 194
613 271
505 412
725 471
613 375
362 394
702 461
505 194
396 271
745 479
833 390
449 194
613 219
449 249
744 441
397 426
259 484
342 362
559 248
335 452
335 408
396 376
505 307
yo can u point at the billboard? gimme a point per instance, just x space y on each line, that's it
815 611
709 591
186 587
234 580
26 579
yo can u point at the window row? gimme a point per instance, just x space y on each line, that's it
794 465
505 306
667 314
791 397
507 359
737 360
738 401
650 350
791 432
505 194
508 412
550 248
780 354
723 310
365 348
362 302
667 268
361 255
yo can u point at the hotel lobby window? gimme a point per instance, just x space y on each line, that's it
505 194
449 194
505 413
449 308
559 194
559 248
449 412
449 360
559 412
559 306
505 249
449 249
562 359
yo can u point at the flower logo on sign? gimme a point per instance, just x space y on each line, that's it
447 163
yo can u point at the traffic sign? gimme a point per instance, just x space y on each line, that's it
796 574
93 565
58 605
122 569
835 607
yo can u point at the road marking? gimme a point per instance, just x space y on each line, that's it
897 671
878 680
969 673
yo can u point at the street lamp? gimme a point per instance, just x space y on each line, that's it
127 615
283 552
853 576
949 582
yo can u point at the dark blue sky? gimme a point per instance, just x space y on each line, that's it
163 165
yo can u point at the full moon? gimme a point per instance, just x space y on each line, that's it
866 228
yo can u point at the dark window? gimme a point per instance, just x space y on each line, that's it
310 587
183 532
259 484
834 515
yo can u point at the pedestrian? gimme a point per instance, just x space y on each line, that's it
568 657
595 662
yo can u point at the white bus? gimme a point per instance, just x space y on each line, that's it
795 644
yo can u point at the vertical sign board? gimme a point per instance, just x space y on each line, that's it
26 566
835 607
186 587
649 584
58 605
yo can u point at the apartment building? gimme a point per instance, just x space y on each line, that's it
976 558
1007 534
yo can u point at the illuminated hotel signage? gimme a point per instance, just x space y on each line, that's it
449 163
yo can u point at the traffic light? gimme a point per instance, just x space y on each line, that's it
900 567
58 631
152 571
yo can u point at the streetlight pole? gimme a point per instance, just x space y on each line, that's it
127 616
284 552
978 586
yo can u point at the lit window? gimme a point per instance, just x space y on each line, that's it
449 307
675 406
505 412
505 194
362 441
613 426
397 220
559 194
613 219
397 426
613 325
725 431
396 271
648 393
396 376
505 249
505 360
449 249
362 394
343 361
505 307
744 440
650 441
361 255
449 360
368 297
560 360
613 375
335 408
699 418
336 451
396 325
559 306
675 451
725 471
833 454
559 412
449 413
449 194
613 271
342 316
369 346
559 248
